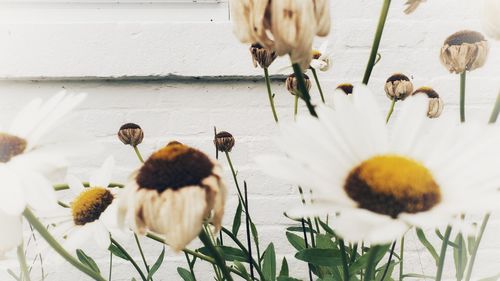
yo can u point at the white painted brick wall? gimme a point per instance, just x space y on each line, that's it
188 110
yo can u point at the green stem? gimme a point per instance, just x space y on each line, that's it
372 259
442 256
244 250
462 96
235 178
354 253
476 247
270 94
138 153
376 41
65 186
142 253
391 254
296 106
219 259
130 259
401 253
391 110
33 220
304 93
318 84
191 269
496 110
343 255
110 265
21 256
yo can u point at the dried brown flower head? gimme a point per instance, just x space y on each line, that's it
464 51
292 83
436 104
224 141
347 88
398 87
131 134
262 56
412 5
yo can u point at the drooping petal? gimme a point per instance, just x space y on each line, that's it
102 177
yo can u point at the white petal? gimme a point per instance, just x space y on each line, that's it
12 199
40 194
75 184
101 235
78 238
102 177
11 235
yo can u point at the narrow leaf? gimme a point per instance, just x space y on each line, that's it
117 252
320 257
237 219
284 272
185 274
83 258
423 239
230 253
157 264
296 241
269 263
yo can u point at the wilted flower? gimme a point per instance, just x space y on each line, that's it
436 104
412 5
491 19
292 83
346 88
224 141
464 51
387 180
173 193
261 56
131 134
285 26
321 59
398 87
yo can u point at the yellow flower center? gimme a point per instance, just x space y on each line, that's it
173 167
90 204
10 146
391 185
315 54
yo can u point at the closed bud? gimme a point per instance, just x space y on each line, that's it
398 87
464 51
131 134
224 141
292 84
346 88
436 104
261 56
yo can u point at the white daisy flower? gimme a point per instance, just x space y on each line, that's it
11 234
92 213
321 58
423 173
24 163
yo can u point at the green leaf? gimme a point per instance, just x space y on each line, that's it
117 252
230 253
11 273
284 268
286 278
255 235
492 278
185 274
440 236
460 256
419 276
326 227
389 271
300 229
133 279
243 270
471 243
237 219
320 257
423 239
156 265
362 261
269 263
296 241
324 241
88 261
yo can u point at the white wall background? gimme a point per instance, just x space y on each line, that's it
121 89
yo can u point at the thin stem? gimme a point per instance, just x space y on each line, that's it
442 256
391 110
110 265
304 93
463 76
496 110
138 153
343 255
354 253
235 178
249 241
391 254
142 253
219 259
371 263
191 269
307 246
65 186
130 259
476 247
21 256
318 84
270 93
295 105
376 41
33 220
401 259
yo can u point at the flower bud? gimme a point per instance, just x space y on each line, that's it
436 104
412 5
224 141
398 87
464 51
292 83
262 56
131 134
346 88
